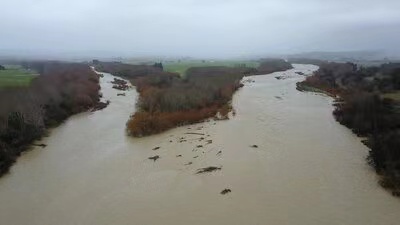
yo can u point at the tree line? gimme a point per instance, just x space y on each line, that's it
362 106
61 90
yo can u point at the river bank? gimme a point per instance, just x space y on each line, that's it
364 104
307 169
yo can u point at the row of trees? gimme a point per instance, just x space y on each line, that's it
128 70
362 107
273 65
61 90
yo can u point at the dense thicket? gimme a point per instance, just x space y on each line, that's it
61 90
128 70
167 100
362 107
273 65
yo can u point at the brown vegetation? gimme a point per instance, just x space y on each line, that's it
61 90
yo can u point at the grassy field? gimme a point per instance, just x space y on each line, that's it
181 66
15 76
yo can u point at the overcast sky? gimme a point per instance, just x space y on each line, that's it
200 28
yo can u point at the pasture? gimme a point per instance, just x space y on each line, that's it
182 66
15 76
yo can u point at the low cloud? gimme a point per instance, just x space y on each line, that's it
206 28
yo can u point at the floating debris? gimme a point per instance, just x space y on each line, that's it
209 141
278 97
119 84
156 148
254 146
195 133
195 157
40 145
199 146
249 81
219 153
208 169
179 156
121 94
226 191
154 157
189 163
100 106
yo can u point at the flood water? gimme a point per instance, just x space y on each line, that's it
307 169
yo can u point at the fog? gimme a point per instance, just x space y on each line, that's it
198 28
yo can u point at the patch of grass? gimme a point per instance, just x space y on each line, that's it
182 66
15 76
393 95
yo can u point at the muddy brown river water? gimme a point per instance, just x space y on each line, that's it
307 169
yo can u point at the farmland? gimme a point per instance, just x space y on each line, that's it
182 66
15 76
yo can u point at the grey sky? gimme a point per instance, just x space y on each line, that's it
198 27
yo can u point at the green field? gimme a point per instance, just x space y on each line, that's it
181 66
15 76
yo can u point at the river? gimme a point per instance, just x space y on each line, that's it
307 169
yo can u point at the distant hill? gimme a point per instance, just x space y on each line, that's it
342 55
365 58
